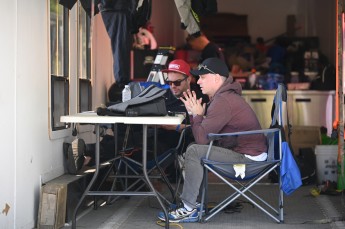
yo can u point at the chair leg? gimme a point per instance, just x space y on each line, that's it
204 195
241 192
281 203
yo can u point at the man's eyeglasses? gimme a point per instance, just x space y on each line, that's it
176 82
204 67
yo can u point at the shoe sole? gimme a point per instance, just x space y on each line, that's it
78 148
70 162
184 220
65 146
188 219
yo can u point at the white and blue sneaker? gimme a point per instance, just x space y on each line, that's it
181 215
198 207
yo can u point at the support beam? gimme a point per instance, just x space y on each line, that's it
339 91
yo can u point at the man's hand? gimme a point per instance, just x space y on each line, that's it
192 104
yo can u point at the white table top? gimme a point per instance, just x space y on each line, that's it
92 117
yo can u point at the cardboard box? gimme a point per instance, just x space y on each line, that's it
52 209
304 137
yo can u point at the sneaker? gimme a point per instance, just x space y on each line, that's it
181 215
75 156
197 205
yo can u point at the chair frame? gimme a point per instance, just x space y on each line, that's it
276 213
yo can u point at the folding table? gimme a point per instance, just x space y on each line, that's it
93 118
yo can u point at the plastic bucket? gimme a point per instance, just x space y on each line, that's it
326 162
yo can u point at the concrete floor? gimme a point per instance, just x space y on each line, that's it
301 210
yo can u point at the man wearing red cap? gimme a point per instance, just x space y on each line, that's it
178 78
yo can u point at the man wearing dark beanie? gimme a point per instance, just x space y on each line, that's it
226 112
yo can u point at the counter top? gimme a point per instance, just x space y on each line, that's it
291 92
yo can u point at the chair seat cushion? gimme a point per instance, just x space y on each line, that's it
252 169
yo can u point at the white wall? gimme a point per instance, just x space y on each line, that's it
35 153
28 154
7 117
26 149
102 64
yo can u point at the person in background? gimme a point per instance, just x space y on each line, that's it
207 48
226 112
122 19
277 52
260 46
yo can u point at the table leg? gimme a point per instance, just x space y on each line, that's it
147 177
74 217
165 179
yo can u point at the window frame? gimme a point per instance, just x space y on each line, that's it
85 83
56 76
66 103
84 30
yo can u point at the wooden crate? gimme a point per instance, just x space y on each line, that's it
52 209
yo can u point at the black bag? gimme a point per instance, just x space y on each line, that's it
306 162
142 15
150 102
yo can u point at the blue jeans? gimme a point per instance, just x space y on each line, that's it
118 26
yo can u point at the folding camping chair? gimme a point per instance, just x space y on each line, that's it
254 171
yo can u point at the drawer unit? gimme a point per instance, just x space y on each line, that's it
305 108
261 103
312 108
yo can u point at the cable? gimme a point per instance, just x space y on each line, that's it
236 207
162 224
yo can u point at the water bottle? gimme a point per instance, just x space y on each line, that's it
126 94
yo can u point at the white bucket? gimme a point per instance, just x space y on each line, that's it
326 162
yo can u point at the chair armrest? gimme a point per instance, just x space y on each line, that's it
212 136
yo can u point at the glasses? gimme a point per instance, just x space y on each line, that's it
176 82
204 67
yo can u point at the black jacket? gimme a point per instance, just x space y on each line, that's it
140 15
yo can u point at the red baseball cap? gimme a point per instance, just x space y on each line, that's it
179 66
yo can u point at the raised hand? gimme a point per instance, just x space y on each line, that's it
192 104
